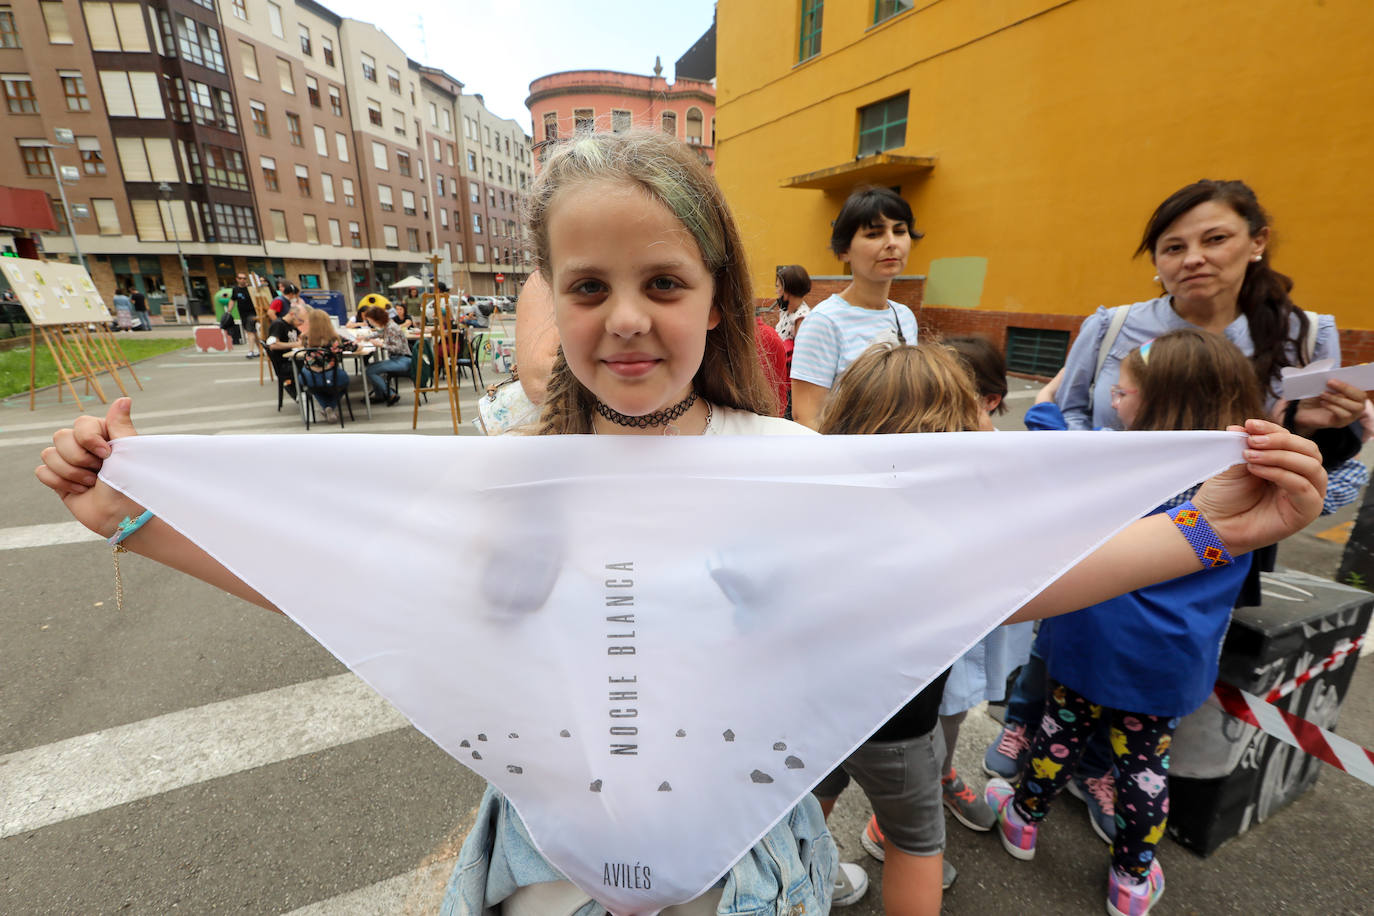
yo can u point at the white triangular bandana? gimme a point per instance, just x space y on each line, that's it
655 647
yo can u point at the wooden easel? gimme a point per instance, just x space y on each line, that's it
443 332
261 300
55 338
114 356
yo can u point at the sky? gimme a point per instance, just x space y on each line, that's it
497 47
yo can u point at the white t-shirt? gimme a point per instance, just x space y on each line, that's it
835 333
727 421
787 321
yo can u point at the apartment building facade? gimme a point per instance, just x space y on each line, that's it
496 168
270 135
562 104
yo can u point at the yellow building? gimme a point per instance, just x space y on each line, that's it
1033 138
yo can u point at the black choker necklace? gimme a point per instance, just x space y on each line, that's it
657 418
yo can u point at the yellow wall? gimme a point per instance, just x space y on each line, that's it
1057 128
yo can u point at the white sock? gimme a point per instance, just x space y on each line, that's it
1015 817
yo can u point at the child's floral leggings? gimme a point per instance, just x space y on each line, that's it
1140 749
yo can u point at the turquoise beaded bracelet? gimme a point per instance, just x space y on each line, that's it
1211 552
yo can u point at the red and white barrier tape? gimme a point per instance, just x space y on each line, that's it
1324 745
1344 649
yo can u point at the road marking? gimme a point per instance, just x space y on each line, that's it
45 535
89 773
419 891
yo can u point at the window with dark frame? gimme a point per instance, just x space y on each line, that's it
293 128
269 174
335 101
886 9
74 88
809 44
882 125
369 68
403 163
19 95
9 33
259 114
92 162
327 50
312 91
37 163
305 39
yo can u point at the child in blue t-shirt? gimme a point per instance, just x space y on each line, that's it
1143 660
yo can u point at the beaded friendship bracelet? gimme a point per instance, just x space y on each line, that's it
1211 552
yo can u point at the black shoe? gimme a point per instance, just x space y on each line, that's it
376 398
393 400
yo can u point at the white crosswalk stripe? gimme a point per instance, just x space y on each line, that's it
53 783
45 535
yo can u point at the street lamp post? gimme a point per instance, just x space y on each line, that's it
166 190
66 208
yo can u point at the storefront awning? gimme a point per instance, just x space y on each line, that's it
878 169
24 209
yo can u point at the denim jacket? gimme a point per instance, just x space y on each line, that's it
790 872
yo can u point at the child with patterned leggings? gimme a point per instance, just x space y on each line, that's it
1142 660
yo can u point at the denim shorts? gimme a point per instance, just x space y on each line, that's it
902 782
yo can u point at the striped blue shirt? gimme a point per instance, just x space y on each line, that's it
835 333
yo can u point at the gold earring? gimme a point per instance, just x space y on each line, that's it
1156 278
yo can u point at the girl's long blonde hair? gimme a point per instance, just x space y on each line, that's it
672 174
899 388
319 330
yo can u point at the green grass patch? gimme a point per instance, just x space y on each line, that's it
14 364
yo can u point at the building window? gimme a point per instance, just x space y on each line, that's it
403 164
74 88
274 19
1035 350
240 9
232 224
349 200
472 160
810 29
224 168
258 112
305 39
55 17
248 59
303 180
335 101
443 218
321 142
334 238
694 125
669 122
269 173
480 254
284 78
327 50
393 80
106 216
312 229
408 202
491 197
202 108
116 26
92 162
379 155
9 34
384 199
340 146
312 90
19 94
327 187
551 126
355 238
293 128
374 112
279 226
37 163
477 223
369 68
620 121
390 239
199 44
882 125
584 121
399 117
448 121
226 109
886 9
474 192
413 239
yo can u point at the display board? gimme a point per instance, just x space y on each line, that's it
54 293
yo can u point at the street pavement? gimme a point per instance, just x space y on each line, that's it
192 753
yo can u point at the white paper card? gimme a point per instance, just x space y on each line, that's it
1309 381
655 647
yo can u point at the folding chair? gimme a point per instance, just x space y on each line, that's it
339 389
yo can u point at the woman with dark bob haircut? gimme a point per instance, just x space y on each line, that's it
873 235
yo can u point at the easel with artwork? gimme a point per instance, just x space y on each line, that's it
261 294
62 306
444 340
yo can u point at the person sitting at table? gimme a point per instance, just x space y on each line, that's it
396 356
281 337
321 373
402 316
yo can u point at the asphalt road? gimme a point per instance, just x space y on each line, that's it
195 754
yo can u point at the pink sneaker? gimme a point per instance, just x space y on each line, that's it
1134 899
1017 840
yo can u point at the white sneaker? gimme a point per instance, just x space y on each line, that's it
850 885
331 415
